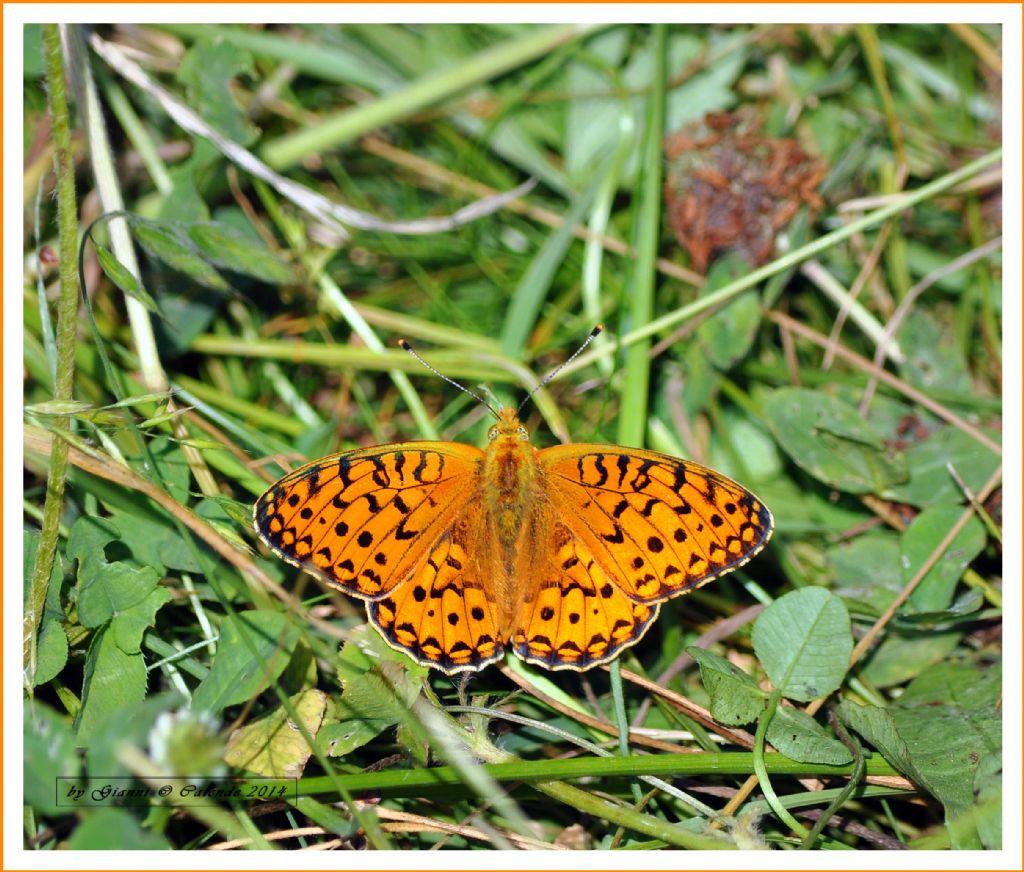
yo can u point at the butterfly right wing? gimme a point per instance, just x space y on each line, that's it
658 526
365 520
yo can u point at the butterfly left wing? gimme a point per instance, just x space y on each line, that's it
657 526
364 520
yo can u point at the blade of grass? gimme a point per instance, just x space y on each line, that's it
868 36
636 378
597 224
349 124
325 62
406 782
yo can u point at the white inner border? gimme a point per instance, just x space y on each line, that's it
17 15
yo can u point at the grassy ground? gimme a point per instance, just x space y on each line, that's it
840 691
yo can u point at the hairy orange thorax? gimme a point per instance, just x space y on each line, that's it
510 472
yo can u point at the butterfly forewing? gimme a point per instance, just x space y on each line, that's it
364 520
658 526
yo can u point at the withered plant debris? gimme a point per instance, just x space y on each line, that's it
729 188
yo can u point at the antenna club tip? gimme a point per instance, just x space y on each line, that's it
598 329
404 345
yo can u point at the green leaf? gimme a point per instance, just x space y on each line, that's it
930 481
988 789
800 737
904 654
205 70
184 202
877 726
231 249
171 245
254 649
118 273
378 683
701 378
32 51
590 117
107 589
938 732
51 651
87 540
949 719
709 89
868 568
186 316
154 541
968 686
727 337
48 753
966 603
935 592
129 624
734 696
272 745
340 738
826 437
803 641
108 829
113 680
933 356
383 694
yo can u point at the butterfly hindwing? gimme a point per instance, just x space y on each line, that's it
658 526
363 520
573 616
444 615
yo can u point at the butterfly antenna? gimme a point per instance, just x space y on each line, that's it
405 346
593 335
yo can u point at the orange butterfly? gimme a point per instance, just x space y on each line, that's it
562 554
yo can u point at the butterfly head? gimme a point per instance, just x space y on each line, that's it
508 426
